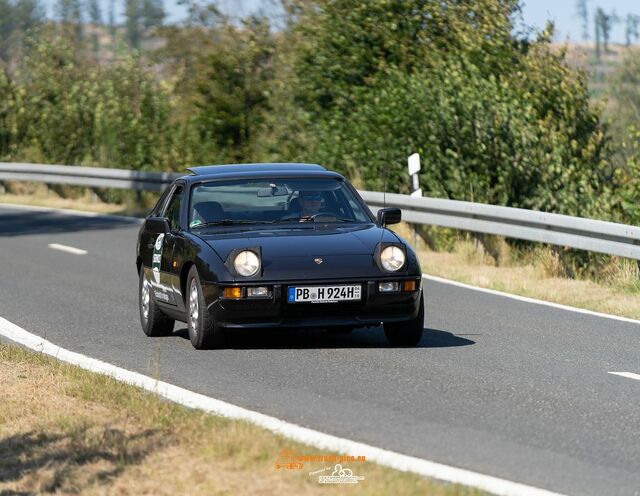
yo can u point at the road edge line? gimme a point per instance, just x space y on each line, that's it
67 249
528 299
317 439
628 375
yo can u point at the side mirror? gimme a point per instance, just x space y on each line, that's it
388 216
157 225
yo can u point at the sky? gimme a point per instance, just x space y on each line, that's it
535 13
568 25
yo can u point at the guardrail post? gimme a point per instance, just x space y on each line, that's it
413 166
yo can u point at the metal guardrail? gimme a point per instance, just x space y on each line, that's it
575 232
563 230
93 177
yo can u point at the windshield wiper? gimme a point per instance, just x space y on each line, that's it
230 222
292 219
344 219
308 218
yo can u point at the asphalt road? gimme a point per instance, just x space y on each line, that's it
502 387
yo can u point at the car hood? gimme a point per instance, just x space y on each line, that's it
307 241
289 252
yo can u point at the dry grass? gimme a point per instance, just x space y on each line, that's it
81 199
65 430
539 274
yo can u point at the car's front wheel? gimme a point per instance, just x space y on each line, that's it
203 331
407 333
153 321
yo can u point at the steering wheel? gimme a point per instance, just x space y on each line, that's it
319 214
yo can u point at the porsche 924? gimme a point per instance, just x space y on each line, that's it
274 245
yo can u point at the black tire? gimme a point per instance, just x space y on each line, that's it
203 331
407 333
153 321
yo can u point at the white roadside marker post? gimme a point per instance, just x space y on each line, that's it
416 190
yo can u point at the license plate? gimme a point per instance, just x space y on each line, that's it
324 294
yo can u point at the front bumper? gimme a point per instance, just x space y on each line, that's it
373 309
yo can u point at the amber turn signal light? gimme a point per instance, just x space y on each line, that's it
233 293
409 286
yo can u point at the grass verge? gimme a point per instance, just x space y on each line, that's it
82 199
66 430
536 273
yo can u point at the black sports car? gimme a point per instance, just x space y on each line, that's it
274 245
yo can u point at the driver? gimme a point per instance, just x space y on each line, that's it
310 202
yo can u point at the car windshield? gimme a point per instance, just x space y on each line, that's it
284 200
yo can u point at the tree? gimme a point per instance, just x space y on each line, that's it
6 18
9 112
95 17
187 48
28 14
204 15
112 19
631 31
598 21
350 44
624 114
604 23
133 14
583 13
80 112
152 13
17 19
498 119
70 14
232 91
95 14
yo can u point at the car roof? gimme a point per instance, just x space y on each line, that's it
233 171
265 167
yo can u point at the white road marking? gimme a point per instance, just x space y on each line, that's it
298 433
628 375
526 299
68 249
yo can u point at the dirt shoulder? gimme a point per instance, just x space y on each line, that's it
536 275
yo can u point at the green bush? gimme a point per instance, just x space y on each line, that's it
67 109
496 119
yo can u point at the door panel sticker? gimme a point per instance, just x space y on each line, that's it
157 258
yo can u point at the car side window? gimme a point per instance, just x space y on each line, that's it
173 208
159 206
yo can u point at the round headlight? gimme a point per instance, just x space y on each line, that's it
246 263
392 258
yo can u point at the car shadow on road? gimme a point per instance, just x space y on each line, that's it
22 222
256 339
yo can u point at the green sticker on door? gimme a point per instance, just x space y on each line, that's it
157 258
